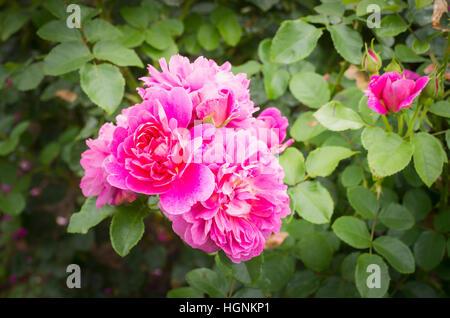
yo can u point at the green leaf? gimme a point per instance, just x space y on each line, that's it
156 55
50 152
66 57
396 216
368 115
98 29
7 146
310 88
441 108
276 273
365 275
388 154
297 228
335 8
135 16
158 37
370 135
208 37
391 25
422 3
429 250
396 253
362 8
418 203
184 292
407 55
248 272
57 31
294 41
130 37
351 176
348 42
428 157
126 229
337 117
28 77
249 293
352 231
208 282
293 164
12 20
313 202
322 161
348 266
363 201
441 221
420 47
315 251
229 28
13 203
250 68
264 51
306 127
117 54
89 216
302 284
275 80
173 26
104 85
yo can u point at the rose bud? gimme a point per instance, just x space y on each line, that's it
371 61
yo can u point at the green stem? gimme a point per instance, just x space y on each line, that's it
338 79
386 123
400 123
411 123
408 26
230 292
372 233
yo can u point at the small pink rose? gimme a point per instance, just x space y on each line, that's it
392 91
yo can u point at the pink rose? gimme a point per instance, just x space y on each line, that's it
248 201
270 126
152 152
94 182
392 92
214 90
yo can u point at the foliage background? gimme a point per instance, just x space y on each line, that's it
59 85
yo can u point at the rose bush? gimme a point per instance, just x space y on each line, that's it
225 148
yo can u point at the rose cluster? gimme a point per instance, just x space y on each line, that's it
195 142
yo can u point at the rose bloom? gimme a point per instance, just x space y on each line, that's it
218 96
248 201
393 91
151 152
270 127
94 182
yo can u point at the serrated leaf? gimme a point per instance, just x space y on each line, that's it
104 84
322 161
313 202
396 253
126 229
310 88
88 217
337 117
352 231
294 41
348 42
117 54
369 269
66 57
